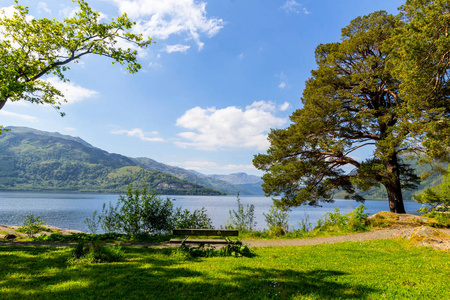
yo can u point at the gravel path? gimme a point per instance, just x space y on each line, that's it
386 233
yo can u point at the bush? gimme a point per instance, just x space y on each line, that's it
92 223
358 219
32 225
140 213
243 218
187 219
95 252
277 221
335 221
110 218
234 248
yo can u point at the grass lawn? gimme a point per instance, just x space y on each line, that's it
382 269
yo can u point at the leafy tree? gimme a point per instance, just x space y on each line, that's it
351 102
32 48
436 196
421 60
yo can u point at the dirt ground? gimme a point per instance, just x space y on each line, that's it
400 231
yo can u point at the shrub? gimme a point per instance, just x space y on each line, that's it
243 218
277 221
335 221
156 213
95 252
109 220
332 221
140 213
304 225
358 219
187 219
32 225
233 248
92 223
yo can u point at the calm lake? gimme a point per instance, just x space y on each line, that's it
70 210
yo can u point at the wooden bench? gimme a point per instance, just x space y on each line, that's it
203 232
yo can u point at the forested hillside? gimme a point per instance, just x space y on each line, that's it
380 192
230 184
32 160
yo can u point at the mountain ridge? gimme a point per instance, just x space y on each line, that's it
72 164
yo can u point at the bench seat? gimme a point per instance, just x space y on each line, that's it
224 233
198 241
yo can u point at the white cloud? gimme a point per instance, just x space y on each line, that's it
7 11
68 12
154 65
18 116
139 133
230 127
162 19
292 6
42 7
176 48
73 93
241 56
285 106
205 165
283 79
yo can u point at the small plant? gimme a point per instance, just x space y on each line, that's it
335 221
187 219
358 219
332 221
243 219
92 223
233 248
304 225
95 252
277 221
32 225
109 220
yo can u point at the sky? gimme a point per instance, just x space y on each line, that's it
221 74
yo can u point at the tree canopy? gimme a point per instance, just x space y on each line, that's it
351 102
32 48
420 59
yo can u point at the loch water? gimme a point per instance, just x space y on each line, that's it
70 210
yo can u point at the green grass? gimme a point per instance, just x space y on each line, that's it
383 269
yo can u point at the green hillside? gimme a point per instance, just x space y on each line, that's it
221 183
380 192
32 160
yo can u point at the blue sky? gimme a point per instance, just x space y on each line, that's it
220 75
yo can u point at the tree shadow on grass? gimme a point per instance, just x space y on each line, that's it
36 272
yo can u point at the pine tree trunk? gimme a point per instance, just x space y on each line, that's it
393 186
395 198
2 103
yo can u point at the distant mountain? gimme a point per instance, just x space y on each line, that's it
33 160
190 176
248 184
380 192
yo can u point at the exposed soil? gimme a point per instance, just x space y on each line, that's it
439 239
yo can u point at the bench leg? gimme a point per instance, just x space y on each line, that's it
182 243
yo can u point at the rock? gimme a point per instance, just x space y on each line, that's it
386 219
430 237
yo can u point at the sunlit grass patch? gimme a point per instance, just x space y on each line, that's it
389 269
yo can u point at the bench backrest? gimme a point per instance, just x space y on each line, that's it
206 232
